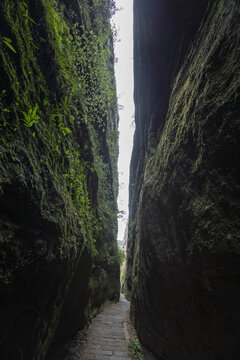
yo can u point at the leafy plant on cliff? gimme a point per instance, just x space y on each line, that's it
135 349
121 256
48 124
31 117
6 41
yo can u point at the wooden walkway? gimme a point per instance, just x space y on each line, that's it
107 339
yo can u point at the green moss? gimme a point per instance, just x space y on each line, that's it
198 127
55 125
135 349
82 57
29 83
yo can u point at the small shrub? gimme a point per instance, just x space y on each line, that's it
121 256
135 349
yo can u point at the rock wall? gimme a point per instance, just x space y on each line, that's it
58 174
183 271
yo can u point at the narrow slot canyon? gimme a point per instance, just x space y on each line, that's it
85 273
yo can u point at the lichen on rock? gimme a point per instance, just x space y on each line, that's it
57 208
183 253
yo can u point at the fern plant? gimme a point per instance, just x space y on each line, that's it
31 117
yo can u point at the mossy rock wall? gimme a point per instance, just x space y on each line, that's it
58 172
184 245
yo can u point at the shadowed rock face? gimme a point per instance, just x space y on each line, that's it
58 173
184 248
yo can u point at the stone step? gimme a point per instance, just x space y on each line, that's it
107 340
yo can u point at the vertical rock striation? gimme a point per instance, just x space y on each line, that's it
183 244
58 173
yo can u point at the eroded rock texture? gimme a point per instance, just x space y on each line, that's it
58 177
184 243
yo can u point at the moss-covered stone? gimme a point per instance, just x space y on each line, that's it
184 245
58 115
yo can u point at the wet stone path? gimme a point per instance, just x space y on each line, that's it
108 335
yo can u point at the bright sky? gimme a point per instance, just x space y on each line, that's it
123 20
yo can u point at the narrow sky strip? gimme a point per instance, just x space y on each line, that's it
123 20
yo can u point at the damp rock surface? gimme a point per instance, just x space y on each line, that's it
183 275
58 172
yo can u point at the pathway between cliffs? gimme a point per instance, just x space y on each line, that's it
107 339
